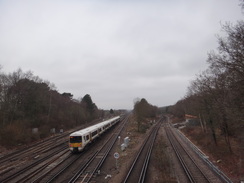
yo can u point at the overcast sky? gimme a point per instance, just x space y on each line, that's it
116 51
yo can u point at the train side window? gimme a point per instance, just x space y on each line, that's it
94 133
87 137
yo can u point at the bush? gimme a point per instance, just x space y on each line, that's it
13 135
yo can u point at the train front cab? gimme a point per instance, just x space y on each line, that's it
75 143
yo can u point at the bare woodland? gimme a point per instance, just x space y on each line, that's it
28 102
216 96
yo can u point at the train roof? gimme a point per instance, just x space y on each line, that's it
93 127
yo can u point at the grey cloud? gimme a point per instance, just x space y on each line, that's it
115 51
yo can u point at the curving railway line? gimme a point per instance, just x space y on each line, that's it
191 169
57 164
15 160
194 168
75 167
38 162
29 170
86 172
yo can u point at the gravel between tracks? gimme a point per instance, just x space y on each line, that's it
109 172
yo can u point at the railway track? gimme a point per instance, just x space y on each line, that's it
89 168
68 161
23 173
195 170
36 148
191 169
42 146
138 169
29 164
61 171
16 159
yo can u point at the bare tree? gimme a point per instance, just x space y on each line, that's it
218 92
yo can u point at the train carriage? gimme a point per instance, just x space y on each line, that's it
80 139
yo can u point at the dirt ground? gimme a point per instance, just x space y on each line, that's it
113 171
159 169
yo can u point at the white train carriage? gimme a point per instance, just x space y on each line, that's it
79 139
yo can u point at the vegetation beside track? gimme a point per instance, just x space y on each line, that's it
32 109
228 162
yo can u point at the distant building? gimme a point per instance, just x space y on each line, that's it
191 120
190 117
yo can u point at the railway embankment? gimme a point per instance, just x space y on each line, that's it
220 156
230 163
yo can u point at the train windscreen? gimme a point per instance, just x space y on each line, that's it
75 139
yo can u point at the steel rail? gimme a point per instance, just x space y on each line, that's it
183 164
102 160
145 164
55 175
106 153
216 171
82 169
38 170
84 166
36 147
30 166
179 155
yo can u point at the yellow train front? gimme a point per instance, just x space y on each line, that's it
75 143
79 139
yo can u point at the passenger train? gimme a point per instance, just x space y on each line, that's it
80 139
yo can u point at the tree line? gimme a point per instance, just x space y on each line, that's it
143 111
28 102
216 96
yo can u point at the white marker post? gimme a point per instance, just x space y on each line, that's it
118 140
116 156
